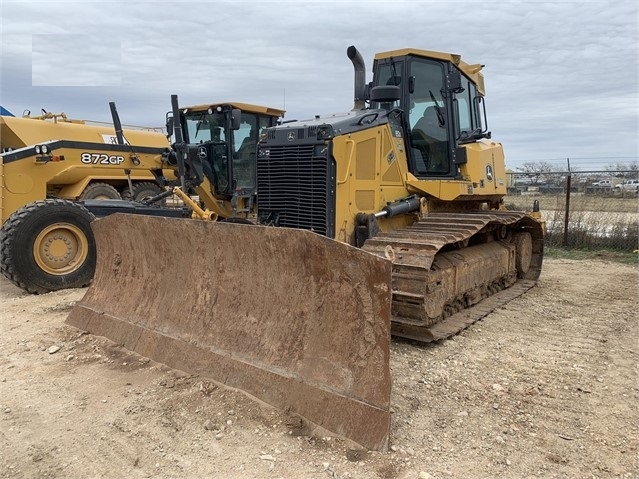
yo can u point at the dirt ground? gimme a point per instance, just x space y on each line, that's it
545 387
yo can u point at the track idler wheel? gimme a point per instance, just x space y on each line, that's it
523 252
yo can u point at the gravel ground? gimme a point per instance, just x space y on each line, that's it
544 387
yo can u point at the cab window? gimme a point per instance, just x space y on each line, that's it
467 110
245 151
427 119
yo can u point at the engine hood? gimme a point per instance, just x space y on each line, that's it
327 127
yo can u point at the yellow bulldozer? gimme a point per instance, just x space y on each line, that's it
386 219
46 241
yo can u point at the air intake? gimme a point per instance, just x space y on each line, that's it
297 188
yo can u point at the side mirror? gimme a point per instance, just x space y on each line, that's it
236 118
169 124
385 93
454 81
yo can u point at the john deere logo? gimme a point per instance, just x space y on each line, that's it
201 153
291 135
489 172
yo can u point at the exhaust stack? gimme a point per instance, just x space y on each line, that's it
360 77
116 123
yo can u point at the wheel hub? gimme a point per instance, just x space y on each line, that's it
60 249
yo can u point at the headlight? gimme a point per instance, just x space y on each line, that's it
38 150
45 149
325 132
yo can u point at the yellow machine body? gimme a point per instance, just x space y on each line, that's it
365 185
67 176
390 214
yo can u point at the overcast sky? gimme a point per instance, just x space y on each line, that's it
561 77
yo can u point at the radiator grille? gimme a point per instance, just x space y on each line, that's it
297 188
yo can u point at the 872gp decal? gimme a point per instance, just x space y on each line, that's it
101 159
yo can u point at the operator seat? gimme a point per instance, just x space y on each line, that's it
248 148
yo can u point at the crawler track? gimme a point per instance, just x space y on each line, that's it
452 269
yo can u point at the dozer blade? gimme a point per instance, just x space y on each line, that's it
294 319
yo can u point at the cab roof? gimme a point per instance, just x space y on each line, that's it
472 71
248 107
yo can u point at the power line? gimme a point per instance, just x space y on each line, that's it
581 158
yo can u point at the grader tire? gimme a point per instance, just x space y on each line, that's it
142 191
100 191
48 245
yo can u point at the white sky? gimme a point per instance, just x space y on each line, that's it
561 76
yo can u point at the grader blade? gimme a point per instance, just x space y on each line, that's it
292 318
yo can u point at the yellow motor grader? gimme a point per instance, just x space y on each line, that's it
46 241
101 181
385 219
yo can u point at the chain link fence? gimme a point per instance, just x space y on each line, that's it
590 210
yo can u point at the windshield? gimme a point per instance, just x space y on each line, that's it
202 127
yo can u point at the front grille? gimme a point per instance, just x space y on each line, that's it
297 189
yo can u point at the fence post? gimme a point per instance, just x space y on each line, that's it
567 214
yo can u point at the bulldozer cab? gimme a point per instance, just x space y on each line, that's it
442 105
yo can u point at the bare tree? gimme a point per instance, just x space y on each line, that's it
624 170
536 170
